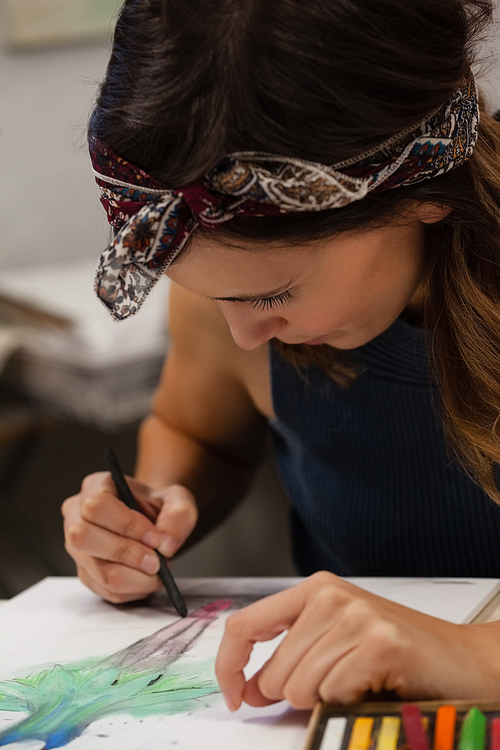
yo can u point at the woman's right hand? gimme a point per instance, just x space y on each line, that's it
113 546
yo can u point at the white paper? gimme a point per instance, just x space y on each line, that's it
457 600
60 622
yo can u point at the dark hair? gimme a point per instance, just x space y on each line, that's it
192 80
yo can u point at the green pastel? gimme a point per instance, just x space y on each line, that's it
473 732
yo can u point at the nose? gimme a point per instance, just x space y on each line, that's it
250 331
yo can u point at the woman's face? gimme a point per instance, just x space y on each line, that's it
344 291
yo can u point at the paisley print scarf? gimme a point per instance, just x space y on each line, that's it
152 222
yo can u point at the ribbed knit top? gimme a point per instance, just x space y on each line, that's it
373 488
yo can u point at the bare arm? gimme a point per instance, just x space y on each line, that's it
204 431
197 454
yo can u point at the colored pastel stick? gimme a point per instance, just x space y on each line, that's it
473 732
495 734
389 733
444 730
334 733
414 730
361 733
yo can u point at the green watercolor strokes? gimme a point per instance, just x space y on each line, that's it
143 679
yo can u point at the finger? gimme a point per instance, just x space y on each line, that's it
302 687
326 627
118 579
260 621
176 519
377 663
144 496
330 628
252 694
93 541
351 678
113 585
101 481
68 505
106 511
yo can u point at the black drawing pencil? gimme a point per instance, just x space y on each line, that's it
126 497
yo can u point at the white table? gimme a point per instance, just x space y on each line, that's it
59 621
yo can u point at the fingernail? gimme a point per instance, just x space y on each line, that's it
230 704
151 539
150 564
168 545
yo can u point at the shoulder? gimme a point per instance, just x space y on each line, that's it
201 338
199 330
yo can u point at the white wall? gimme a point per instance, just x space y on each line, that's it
50 206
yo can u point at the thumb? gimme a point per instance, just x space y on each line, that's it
261 621
253 695
176 519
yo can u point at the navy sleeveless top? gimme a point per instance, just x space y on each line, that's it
373 488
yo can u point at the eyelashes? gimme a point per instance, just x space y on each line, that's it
270 303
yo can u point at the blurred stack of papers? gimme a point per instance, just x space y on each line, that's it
60 347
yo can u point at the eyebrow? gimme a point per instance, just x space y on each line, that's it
255 297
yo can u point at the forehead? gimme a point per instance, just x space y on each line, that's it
214 269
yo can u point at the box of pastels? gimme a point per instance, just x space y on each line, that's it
426 725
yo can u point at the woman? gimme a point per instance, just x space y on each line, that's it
315 180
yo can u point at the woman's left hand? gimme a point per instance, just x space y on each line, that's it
343 642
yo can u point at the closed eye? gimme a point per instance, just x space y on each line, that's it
269 303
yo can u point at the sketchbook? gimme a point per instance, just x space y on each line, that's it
80 673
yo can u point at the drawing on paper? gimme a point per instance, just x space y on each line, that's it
149 677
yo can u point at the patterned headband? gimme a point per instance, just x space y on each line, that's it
152 223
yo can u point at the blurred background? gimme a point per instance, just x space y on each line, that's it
71 380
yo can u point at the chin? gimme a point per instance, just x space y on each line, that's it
350 339
354 339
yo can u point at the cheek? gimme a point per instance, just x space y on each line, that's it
245 316
333 303
391 278
380 291
318 317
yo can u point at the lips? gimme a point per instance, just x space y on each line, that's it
315 342
311 342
